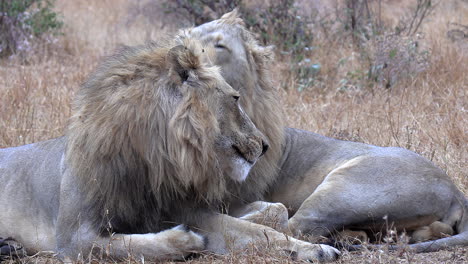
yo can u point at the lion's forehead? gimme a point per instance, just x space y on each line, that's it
215 31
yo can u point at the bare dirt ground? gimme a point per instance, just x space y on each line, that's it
426 113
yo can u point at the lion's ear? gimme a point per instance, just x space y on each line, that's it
181 61
177 71
233 17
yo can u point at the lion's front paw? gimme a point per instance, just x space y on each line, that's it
317 253
184 241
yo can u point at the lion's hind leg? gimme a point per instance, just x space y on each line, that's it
360 193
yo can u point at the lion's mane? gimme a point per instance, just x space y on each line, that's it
137 144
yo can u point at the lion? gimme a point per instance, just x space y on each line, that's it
331 185
157 142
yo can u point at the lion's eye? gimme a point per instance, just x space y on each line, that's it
219 46
236 97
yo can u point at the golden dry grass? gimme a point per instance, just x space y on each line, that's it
427 114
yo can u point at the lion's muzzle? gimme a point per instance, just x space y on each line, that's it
251 148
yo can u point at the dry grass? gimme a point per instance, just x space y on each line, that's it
427 113
255 255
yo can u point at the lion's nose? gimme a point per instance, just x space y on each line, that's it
265 147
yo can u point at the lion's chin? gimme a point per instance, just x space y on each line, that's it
241 169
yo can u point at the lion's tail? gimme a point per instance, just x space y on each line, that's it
443 243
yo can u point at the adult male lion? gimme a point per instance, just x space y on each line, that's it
330 184
156 138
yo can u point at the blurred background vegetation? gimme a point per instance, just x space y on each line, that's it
387 52
25 23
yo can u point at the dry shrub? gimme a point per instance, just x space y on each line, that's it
395 57
25 25
385 51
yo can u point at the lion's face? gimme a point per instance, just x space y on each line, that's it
215 108
239 143
231 53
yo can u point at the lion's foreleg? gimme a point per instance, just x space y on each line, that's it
173 244
225 233
77 238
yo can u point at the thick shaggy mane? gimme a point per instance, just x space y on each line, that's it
141 136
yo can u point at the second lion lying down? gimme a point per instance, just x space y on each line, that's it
329 185
157 138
